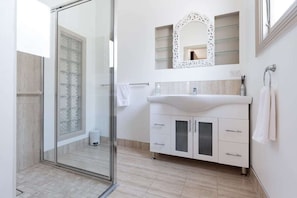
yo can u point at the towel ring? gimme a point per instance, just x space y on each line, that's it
269 69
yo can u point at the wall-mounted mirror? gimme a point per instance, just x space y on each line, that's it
193 42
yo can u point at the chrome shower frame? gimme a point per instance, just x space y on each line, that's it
111 179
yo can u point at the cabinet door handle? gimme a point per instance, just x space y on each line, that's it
233 131
195 126
159 125
234 155
158 144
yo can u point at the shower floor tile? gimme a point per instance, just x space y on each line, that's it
42 181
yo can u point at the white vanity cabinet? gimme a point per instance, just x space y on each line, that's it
234 142
194 137
219 134
160 134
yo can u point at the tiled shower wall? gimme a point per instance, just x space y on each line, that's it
227 87
29 89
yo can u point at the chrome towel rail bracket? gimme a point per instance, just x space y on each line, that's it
269 69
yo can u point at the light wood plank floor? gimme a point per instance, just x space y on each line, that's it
141 176
168 176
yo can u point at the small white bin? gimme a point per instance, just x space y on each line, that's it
94 138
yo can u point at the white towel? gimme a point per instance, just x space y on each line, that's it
272 121
265 129
123 95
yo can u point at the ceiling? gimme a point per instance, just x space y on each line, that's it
55 3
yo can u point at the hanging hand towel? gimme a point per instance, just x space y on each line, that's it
272 119
123 95
265 129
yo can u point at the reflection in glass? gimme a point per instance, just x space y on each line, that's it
181 133
205 138
70 97
75 105
193 41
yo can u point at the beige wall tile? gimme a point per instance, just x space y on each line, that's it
230 87
28 110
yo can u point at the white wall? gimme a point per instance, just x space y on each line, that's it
32 40
8 99
55 3
136 54
103 28
49 93
275 163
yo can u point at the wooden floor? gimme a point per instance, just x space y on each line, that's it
167 176
141 176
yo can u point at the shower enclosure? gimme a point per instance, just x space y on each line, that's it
79 116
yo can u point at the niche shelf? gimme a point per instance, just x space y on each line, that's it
163 47
227 39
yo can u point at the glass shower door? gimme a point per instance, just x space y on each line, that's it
78 81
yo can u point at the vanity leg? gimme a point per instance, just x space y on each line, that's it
153 155
243 171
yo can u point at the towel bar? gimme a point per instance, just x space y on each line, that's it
268 69
136 84
132 84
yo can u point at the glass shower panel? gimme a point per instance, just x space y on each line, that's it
49 100
83 104
77 117
71 67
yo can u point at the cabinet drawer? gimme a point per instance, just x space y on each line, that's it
160 143
160 124
234 130
235 154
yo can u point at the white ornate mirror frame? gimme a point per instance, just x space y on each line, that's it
178 62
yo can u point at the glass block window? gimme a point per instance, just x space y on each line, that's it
70 72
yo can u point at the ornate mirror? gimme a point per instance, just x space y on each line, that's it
193 42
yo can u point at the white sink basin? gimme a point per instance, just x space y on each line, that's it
196 103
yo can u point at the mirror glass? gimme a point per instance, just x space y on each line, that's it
193 42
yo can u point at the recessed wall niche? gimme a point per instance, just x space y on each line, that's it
163 47
227 39
227 49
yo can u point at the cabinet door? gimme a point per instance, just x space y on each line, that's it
181 137
206 139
